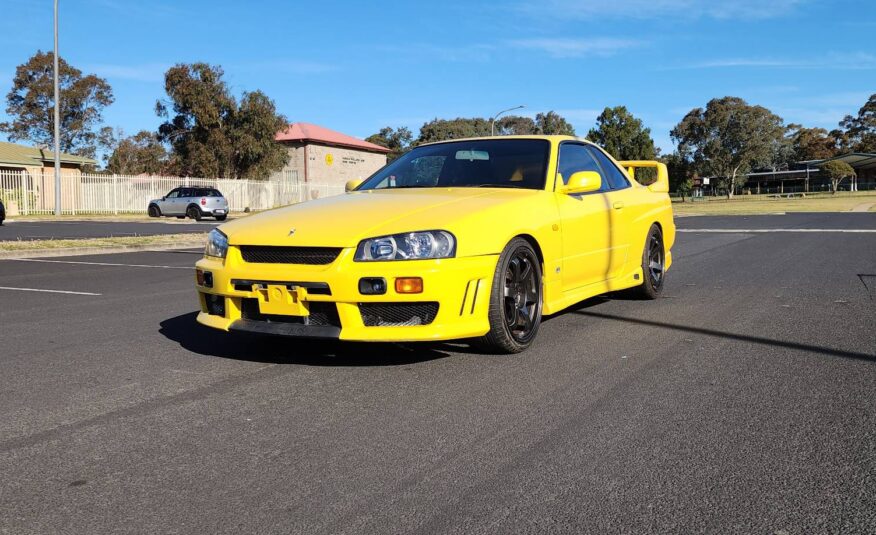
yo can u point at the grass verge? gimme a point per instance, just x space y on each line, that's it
104 243
821 203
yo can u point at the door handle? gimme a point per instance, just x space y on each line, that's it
617 205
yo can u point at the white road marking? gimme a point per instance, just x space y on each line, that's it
97 263
768 230
46 291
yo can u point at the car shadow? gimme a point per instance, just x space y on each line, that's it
586 308
194 337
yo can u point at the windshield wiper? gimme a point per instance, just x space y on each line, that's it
499 186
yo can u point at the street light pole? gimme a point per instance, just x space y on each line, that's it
57 124
494 117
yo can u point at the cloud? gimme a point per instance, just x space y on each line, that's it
839 61
645 9
150 72
290 66
419 51
573 48
579 115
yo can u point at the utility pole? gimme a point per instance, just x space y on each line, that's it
57 124
494 117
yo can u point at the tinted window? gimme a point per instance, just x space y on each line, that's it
508 163
173 194
574 158
615 177
207 192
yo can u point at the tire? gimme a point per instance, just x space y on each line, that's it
516 300
154 211
653 266
193 212
221 217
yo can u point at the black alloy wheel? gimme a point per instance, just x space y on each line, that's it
653 266
194 213
516 299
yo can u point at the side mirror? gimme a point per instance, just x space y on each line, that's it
164 198
581 182
353 184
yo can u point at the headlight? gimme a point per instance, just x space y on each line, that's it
407 246
217 244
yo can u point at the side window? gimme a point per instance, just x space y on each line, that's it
186 193
574 158
612 174
173 194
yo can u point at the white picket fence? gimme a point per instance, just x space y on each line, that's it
29 193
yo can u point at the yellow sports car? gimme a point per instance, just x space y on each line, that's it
473 238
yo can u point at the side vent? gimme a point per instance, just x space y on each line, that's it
470 297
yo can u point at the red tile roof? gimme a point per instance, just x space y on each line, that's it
319 134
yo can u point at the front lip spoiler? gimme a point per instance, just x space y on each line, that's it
286 329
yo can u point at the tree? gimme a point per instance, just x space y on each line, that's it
836 171
811 143
443 129
252 130
140 153
30 105
728 138
552 123
515 125
681 174
211 134
623 135
398 141
861 130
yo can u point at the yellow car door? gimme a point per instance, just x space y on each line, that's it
626 210
585 222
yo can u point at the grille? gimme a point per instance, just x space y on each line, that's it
397 314
320 314
266 254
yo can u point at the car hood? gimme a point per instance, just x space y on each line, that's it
345 220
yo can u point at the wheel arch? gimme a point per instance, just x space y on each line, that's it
535 245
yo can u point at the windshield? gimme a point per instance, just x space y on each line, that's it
499 163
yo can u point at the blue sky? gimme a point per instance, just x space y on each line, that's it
357 66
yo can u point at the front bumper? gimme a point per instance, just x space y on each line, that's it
460 288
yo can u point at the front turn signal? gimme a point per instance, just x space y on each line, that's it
409 285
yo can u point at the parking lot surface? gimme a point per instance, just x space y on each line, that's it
742 401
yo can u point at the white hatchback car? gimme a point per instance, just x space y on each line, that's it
191 202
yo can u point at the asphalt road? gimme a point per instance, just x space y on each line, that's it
58 230
743 401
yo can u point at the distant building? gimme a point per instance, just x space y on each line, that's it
37 161
803 177
800 177
33 169
317 154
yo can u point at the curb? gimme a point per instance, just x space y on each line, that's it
82 251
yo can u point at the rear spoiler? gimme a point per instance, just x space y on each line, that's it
661 185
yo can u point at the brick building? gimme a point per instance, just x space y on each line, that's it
317 154
33 169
